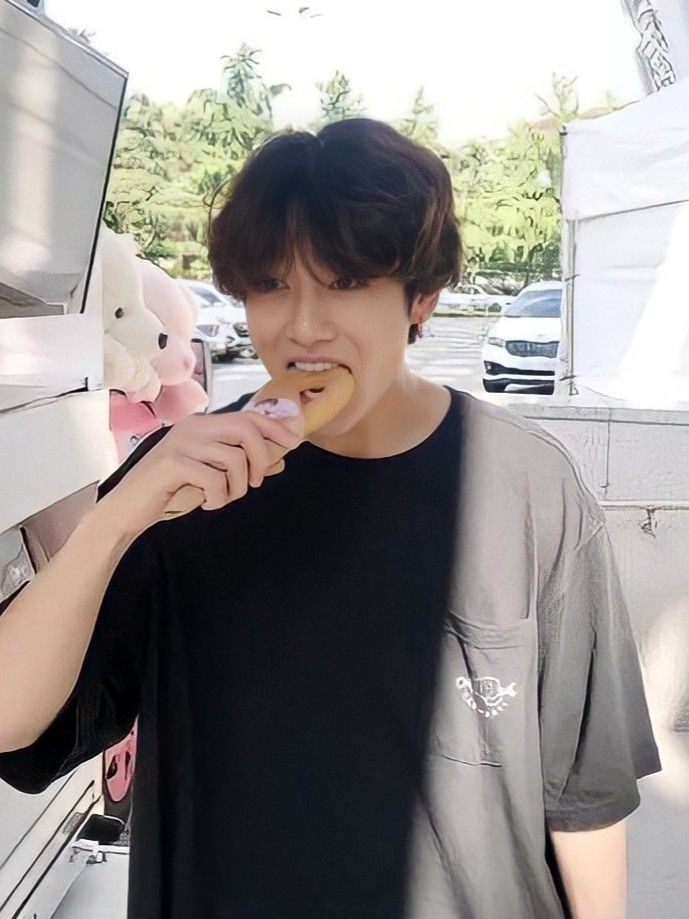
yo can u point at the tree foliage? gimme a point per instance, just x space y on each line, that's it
421 124
338 100
172 163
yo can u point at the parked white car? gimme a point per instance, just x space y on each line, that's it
472 298
522 346
221 321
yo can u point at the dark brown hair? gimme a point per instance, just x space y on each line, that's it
358 197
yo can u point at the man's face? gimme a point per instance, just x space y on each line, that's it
362 325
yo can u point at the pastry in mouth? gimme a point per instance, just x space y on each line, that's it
316 367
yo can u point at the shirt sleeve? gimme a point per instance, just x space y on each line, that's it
596 735
104 702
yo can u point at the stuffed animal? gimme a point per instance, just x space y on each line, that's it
132 415
133 335
175 307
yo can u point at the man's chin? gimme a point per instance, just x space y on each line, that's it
338 427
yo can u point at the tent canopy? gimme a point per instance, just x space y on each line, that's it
626 198
633 158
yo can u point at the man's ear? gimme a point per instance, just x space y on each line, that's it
424 306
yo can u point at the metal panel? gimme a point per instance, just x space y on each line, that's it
37 827
59 447
101 889
47 356
59 108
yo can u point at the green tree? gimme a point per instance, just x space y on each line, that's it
508 208
171 162
148 160
563 106
338 100
421 124
239 118
508 190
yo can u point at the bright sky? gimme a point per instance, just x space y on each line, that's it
481 62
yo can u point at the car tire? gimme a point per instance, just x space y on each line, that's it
494 386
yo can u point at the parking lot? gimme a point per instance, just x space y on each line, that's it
449 353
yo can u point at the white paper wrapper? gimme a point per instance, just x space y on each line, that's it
274 408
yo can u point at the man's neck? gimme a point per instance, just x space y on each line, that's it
406 415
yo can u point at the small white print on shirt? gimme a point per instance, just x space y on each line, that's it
485 694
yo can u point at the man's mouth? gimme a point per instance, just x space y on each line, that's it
313 367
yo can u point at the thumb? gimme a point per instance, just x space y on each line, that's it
294 423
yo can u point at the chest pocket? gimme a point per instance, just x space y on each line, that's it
485 691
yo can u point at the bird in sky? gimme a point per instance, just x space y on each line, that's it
302 12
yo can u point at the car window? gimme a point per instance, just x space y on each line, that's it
536 304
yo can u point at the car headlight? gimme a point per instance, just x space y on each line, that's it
499 342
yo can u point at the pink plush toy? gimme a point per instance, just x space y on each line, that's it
136 414
169 301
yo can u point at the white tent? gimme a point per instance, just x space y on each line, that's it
626 207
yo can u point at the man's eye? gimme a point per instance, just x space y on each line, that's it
348 284
266 284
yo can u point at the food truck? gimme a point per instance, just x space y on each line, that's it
60 105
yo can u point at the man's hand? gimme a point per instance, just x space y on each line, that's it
593 865
223 455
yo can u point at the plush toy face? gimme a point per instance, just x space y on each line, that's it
133 335
164 297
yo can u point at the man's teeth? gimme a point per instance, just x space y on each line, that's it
300 366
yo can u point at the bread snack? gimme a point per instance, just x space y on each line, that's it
319 394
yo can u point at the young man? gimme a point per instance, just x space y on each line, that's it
385 681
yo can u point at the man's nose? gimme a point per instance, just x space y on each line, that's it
309 319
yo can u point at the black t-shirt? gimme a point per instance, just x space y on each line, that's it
281 654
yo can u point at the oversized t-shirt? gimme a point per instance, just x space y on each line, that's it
368 688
